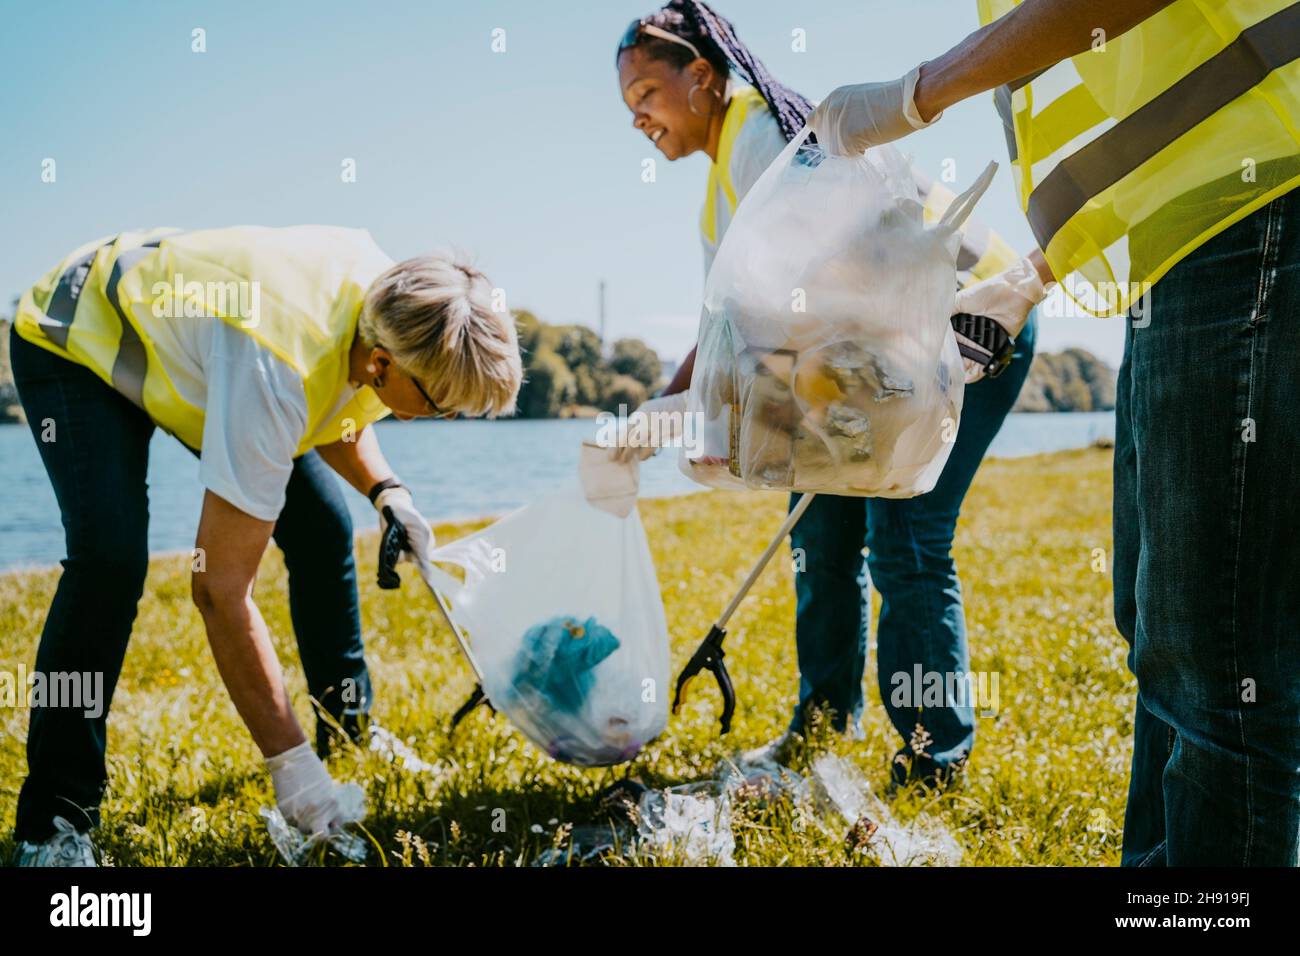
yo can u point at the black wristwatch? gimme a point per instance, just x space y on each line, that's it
382 486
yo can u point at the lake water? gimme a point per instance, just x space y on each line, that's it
454 469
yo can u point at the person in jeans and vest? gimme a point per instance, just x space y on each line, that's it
1158 169
676 76
269 353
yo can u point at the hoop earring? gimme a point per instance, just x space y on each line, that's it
690 99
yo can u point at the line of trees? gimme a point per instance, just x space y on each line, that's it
10 409
567 373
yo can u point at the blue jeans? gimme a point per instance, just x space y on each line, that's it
1206 565
97 464
909 560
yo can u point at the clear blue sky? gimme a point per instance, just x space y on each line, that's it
526 159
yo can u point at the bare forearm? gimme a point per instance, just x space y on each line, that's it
1040 265
251 672
232 543
360 463
1035 35
682 377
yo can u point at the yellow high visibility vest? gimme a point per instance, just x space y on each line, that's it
983 252
1130 155
298 291
742 101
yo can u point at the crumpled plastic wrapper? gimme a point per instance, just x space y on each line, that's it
872 827
692 823
296 848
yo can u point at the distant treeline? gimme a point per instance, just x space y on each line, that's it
10 410
567 372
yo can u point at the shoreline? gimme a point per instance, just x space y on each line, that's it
487 517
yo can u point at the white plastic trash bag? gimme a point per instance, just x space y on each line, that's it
560 606
826 360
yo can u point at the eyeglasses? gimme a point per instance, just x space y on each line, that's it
437 412
637 27
415 380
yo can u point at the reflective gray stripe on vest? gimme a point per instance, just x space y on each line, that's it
1229 74
1002 103
62 310
132 361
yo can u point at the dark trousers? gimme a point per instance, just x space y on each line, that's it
95 447
1207 563
909 560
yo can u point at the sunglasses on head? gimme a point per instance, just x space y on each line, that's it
638 28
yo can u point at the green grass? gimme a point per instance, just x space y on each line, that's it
1045 785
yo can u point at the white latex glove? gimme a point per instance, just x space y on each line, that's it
1007 298
418 533
654 425
308 797
854 118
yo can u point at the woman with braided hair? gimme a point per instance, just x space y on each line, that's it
693 86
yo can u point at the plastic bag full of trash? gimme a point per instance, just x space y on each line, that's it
826 360
560 607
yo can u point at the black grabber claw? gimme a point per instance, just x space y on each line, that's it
467 708
991 346
708 656
391 546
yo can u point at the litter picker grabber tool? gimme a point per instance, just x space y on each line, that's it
708 656
984 341
391 546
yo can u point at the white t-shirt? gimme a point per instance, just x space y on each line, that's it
255 411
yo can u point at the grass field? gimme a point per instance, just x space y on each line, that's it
1045 785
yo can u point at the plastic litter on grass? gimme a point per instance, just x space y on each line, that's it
692 823
870 824
296 849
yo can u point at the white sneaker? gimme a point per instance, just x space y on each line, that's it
66 848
